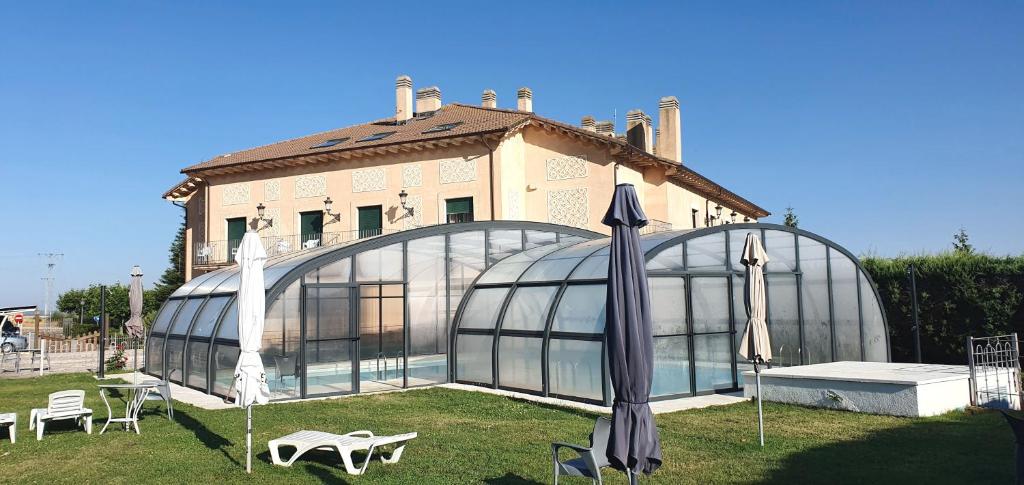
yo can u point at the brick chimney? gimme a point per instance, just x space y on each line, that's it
670 129
489 99
403 98
588 123
638 130
525 99
605 128
428 99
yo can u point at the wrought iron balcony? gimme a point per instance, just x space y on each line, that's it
220 253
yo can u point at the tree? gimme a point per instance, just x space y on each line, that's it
961 243
70 303
791 219
174 276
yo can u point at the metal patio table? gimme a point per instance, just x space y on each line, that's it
137 396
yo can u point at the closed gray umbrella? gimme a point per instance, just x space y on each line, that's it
136 330
755 345
634 445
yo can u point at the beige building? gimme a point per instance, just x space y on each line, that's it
432 163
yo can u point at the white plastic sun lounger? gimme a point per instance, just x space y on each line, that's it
345 444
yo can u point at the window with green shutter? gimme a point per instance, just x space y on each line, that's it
459 210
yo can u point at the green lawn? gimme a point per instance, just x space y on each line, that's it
469 437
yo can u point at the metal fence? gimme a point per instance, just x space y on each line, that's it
223 252
995 371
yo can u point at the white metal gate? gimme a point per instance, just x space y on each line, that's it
995 371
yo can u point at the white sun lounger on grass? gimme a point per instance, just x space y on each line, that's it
62 405
345 444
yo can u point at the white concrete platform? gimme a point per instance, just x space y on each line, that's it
868 387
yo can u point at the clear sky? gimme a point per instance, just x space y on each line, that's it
886 125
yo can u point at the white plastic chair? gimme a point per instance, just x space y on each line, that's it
345 445
11 420
310 244
62 405
162 392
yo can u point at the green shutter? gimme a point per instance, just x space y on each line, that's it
459 210
370 219
311 225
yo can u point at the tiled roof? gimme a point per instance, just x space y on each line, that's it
472 121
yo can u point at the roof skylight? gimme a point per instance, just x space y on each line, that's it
377 136
330 143
444 127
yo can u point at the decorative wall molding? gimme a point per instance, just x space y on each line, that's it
235 194
310 186
567 167
569 207
369 180
416 219
412 175
457 170
513 211
272 190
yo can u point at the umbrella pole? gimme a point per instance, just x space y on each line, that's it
760 413
135 363
248 439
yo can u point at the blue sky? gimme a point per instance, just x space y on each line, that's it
886 125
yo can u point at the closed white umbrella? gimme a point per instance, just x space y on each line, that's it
250 377
755 345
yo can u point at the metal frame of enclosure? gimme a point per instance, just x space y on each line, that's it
317 298
535 321
517 306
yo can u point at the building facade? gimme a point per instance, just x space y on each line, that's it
433 164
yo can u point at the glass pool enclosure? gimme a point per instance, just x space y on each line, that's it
522 305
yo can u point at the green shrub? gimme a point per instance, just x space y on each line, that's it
77 330
960 294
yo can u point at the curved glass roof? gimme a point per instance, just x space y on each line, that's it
545 309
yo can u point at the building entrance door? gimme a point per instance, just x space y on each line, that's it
311 228
236 230
381 336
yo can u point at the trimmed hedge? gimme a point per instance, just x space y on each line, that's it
959 295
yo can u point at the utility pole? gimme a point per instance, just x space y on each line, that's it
912 274
51 268
103 329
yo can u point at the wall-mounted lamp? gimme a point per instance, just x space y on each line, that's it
746 219
328 203
718 211
261 212
732 217
402 197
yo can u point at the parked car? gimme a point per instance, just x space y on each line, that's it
10 337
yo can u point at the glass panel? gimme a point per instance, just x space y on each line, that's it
781 251
574 368
706 253
197 368
336 272
713 357
845 310
649 241
155 356
668 305
328 367
671 366
595 266
482 309
208 285
184 318
528 309
164 318
671 259
224 359
467 258
571 238
509 269
739 319
783 319
875 343
384 264
519 363
557 265
428 327
175 349
710 300
581 309
327 314
187 288
473 358
208 316
539 238
228 328
502 244
814 293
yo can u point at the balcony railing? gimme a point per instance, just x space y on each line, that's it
216 253
654 225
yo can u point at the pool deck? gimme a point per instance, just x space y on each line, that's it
206 401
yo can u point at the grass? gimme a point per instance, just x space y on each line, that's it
469 437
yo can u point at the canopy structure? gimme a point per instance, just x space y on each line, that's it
369 314
522 304
534 322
